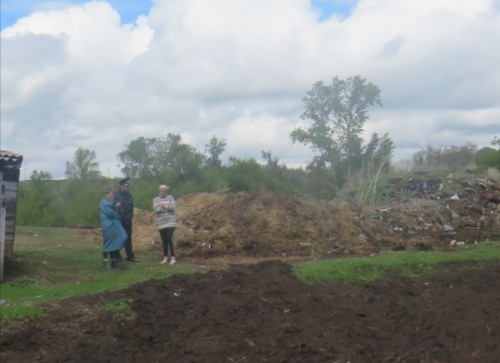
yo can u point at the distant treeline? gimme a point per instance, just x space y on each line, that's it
73 202
456 157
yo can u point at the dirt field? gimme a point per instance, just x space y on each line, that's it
260 313
248 307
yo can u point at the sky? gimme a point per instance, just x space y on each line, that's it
100 74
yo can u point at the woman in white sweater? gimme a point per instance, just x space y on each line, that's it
164 208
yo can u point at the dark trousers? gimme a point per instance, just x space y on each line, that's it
167 240
113 255
127 226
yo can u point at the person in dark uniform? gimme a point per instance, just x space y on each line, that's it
125 209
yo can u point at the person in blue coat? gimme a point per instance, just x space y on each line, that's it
114 236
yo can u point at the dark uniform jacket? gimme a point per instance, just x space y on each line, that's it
126 210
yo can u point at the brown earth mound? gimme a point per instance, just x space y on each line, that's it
269 224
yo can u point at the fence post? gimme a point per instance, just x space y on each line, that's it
2 240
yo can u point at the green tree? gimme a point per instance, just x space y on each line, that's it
247 175
338 113
273 166
140 158
40 176
451 157
214 148
84 166
163 157
496 141
487 157
180 159
40 201
272 161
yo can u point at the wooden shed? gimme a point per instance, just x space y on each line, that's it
10 167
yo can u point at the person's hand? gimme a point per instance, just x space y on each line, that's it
118 205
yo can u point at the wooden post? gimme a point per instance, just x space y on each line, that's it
2 240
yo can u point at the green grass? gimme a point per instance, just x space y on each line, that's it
22 295
51 269
391 263
120 308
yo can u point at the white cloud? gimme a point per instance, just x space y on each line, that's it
74 76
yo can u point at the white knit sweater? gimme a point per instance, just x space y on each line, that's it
164 209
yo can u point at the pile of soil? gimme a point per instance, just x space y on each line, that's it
418 215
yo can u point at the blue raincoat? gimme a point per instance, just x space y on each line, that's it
113 234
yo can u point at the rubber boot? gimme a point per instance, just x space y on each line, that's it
106 263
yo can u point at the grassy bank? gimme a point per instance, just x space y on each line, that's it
391 263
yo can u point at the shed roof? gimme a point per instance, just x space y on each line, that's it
10 160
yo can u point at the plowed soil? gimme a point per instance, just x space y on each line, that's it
261 313
249 307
